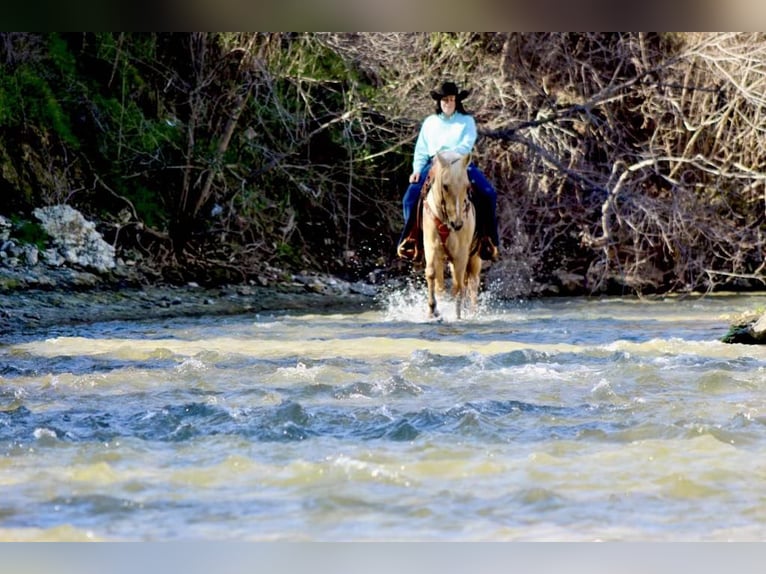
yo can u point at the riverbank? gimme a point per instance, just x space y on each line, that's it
70 298
35 298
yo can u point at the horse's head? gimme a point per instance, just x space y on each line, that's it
450 186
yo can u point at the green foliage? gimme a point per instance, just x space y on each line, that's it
31 232
119 106
26 97
305 58
135 47
9 283
60 56
126 127
287 254
147 204
9 104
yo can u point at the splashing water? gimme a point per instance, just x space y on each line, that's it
410 303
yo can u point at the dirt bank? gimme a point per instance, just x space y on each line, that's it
24 312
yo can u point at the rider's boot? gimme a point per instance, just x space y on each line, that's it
408 247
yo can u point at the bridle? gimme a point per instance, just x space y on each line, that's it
443 228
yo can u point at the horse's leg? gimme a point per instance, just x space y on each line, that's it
432 312
473 274
458 284
439 276
432 276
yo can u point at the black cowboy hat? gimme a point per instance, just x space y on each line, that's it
450 89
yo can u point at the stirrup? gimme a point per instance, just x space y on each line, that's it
410 250
488 250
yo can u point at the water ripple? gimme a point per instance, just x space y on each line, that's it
292 421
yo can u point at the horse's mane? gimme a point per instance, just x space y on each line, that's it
450 155
446 162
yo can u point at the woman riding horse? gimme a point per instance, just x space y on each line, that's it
450 128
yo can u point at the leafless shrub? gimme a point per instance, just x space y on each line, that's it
16 47
684 216
647 147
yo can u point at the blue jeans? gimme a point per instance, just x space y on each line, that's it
484 198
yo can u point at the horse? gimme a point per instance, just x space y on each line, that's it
449 226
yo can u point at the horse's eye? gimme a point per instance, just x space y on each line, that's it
446 187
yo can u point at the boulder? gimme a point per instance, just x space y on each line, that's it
749 332
758 329
5 229
75 239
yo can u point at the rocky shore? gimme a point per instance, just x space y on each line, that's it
77 278
24 311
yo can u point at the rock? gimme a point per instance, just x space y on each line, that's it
363 289
333 286
11 249
570 281
53 258
75 238
31 255
758 329
82 279
5 229
751 331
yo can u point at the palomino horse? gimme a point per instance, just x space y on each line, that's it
449 223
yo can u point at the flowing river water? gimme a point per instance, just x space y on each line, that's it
554 419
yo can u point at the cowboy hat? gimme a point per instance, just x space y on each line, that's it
450 89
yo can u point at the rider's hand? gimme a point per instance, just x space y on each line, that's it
414 178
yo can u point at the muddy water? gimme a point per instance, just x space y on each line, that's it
566 419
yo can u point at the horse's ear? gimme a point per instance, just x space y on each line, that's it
466 159
440 160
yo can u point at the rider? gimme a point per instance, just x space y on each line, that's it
449 128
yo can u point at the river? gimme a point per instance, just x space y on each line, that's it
543 420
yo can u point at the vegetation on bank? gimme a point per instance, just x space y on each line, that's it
624 162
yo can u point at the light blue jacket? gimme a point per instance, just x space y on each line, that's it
439 133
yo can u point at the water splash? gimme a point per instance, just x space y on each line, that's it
410 303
